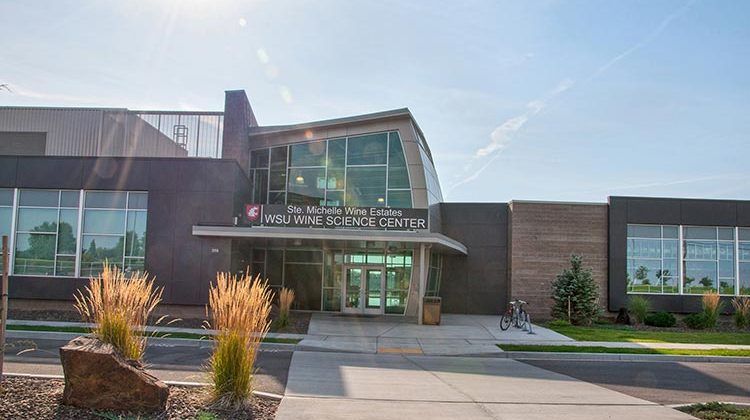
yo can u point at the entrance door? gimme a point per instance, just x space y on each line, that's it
363 290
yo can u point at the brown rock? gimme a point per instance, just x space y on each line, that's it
97 376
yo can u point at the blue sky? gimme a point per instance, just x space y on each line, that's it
545 100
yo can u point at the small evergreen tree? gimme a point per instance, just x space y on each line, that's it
575 294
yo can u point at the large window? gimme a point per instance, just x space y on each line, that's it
368 170
46 233
114 230
6 215
397 280
705 258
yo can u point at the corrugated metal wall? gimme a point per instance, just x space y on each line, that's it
115 132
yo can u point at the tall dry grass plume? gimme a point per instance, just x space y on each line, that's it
119 306
239 311
711 308
286 297
741 312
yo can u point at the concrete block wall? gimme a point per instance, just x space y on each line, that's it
543 237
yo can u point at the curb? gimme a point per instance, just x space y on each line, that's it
153 341
594 357
259 394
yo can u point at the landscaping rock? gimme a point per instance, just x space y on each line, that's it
97 376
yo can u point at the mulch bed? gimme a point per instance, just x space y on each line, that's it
33 398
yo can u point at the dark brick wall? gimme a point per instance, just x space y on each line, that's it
544 236
182 193
238 118
676 211
476 283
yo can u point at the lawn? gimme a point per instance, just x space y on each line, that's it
610 332
620 350
717 411
83 330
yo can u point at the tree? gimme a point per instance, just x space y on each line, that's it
706 282
641 273
575 294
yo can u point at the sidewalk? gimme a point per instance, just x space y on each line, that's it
386 386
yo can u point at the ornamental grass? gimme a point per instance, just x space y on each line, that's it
239 311
741 311
119 307
711 308
286 297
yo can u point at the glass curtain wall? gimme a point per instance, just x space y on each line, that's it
434 275
6 215
711 259
316 275
368 171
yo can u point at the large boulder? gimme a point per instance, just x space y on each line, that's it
97 376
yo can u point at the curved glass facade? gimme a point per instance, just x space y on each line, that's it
360 171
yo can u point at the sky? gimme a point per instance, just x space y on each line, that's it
519 100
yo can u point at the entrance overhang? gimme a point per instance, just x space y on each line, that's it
439 242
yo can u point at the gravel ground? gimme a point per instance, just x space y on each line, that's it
31 398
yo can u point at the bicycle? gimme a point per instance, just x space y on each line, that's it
515 315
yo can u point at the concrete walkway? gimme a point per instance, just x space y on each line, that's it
387 386
456 335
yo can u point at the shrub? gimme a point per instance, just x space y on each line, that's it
639 307
711 309
119 306
286 297
660 319
695 321
239 309
741 311
575 294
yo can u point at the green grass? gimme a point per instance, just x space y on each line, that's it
609 332
189 336
620 350
717 411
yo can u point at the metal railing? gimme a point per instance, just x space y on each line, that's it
199 133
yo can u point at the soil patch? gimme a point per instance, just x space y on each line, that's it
33 398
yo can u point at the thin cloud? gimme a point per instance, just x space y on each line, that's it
502 136
28 93
504 133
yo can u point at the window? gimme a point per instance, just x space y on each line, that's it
434 275
6 215
114 230
46 233
653 259
744 260
397 280
710 258
368 170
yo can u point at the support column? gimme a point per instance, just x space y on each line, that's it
422 279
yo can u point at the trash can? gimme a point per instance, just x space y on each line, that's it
431 310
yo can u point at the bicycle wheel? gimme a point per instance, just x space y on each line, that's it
505 321
523 317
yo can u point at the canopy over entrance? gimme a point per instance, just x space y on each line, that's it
336 238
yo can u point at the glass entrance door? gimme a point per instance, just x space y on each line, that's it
363 290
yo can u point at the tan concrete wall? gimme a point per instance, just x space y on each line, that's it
543 237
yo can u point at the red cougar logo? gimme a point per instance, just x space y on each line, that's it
252 212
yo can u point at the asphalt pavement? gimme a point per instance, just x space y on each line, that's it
167 362
661 382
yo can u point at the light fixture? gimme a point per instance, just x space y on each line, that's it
381 200
300 179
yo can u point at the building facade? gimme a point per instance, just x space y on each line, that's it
346 212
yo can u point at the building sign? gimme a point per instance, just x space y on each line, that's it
336 217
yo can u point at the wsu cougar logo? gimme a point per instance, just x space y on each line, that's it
252 212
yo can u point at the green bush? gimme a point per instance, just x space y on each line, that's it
639 307
695 321
575 294
741 312
660 319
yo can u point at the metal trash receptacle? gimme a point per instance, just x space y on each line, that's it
431 310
